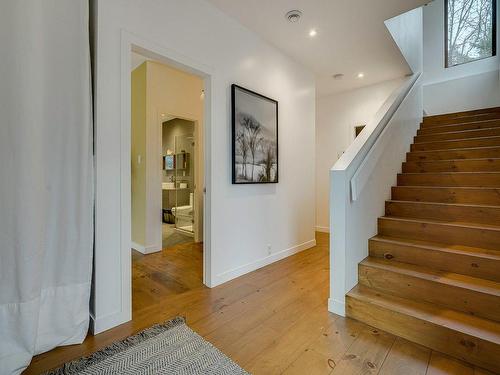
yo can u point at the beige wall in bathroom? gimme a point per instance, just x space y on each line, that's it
138 124
173 93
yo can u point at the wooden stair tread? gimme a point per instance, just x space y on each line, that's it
496 137
458 135
458 152
429 122
457 280
461 123
443 247
462 153
450 187
450 178
452 165
465 128
437 145
471 179
464 113
452 212
461 116
451 160
484 329
440 230
450 128
444 204
458 224
452 172
447 194
458 188
436 254
463 132
458 162
459 148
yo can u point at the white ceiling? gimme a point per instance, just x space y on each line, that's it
351 37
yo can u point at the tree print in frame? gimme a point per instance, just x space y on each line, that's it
254 137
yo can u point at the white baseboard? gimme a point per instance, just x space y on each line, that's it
145 249
101 324
242 270
336 307
322 229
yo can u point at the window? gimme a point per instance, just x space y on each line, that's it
470 30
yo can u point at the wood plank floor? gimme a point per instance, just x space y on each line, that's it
159 276
271 321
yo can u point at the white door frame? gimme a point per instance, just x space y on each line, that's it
129 43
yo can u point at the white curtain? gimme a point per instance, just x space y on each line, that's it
46 177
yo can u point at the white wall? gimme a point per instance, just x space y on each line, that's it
475 82
245 220
402 29
462 94
336 117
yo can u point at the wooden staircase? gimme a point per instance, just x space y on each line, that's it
433 271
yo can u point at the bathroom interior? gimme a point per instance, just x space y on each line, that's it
178 203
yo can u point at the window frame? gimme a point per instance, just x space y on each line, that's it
493 30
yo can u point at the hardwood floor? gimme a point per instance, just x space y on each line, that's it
158 276
271 321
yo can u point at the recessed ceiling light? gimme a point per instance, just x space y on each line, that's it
293 15
162 115
361 75
313 33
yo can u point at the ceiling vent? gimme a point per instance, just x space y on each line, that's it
293 16
338 76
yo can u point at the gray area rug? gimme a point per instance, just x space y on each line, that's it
168 348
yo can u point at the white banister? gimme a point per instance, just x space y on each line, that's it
361 180
363 173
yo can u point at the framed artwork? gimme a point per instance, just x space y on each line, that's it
254 137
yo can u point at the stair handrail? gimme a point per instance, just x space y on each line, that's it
364 142
382 118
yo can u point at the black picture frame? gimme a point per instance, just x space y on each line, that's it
493 31
236 180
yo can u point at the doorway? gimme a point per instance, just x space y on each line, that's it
178 183
168 180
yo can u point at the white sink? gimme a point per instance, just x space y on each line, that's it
168 185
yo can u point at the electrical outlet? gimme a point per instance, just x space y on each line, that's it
269 247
